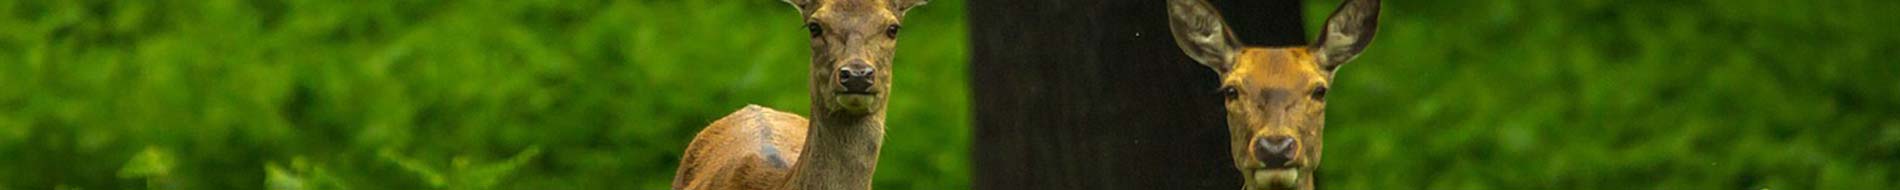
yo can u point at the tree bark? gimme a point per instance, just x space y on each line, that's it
1093 94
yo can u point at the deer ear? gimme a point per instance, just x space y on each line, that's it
1201 33
1347 33
803 6
902 6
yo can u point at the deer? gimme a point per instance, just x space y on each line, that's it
1275 96
852 43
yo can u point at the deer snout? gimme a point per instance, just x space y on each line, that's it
856 76
1275 151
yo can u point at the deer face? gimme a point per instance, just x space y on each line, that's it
852 43
1276 96
1276 109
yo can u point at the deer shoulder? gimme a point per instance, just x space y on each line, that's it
752 148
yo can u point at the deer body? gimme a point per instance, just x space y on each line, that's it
1276 96
852 43
747 149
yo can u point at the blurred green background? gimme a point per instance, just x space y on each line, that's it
1625 94
1481 94
315 94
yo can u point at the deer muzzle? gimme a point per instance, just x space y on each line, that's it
1275 152
857 77
1276 162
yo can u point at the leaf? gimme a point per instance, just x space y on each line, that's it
487 176
434 178
152 162
276 178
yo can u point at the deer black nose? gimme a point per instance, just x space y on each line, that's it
856 76
1275 151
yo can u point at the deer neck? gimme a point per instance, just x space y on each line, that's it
840 149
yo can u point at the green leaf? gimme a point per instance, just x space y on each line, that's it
422 170
152 162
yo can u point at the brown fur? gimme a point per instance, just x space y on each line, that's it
838 147
1275 97
1274 91
750 148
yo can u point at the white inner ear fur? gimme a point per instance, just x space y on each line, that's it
1338 38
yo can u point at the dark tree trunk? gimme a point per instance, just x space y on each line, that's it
1093 94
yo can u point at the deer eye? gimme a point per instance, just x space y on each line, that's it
892 30
1319 93
1229 92
815 29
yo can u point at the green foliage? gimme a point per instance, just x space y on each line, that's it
149 163
433 94
439 94
463 175
152 165
302 175
1601 94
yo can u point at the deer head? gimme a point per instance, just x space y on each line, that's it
1276 96
852 42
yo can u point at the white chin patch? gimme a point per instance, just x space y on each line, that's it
855 102
1276 178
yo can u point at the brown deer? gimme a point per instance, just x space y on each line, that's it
1276 96
761 148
